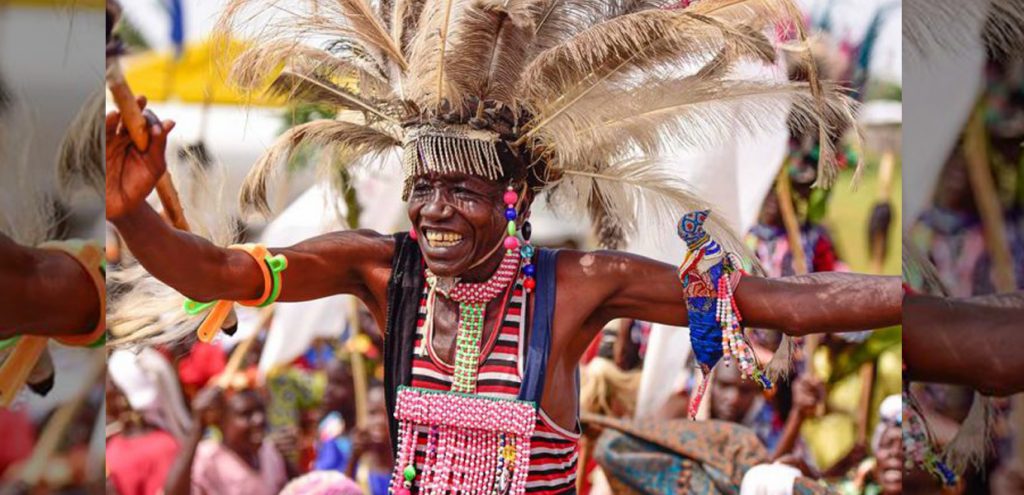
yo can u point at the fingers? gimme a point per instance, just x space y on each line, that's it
113 119
151 118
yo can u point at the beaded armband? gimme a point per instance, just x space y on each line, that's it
709 274
271 267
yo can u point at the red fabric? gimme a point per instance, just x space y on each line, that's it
138 465
591 351
19 435
202 363
825 259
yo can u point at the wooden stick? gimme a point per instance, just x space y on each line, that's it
784 193
867 393
237 356
994 227
359 380
18 366
32 472
867 370
135 123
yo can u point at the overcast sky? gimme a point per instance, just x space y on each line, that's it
849 16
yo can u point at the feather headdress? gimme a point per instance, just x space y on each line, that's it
584 92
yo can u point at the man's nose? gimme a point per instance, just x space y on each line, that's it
437 207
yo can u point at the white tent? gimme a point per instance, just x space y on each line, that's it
315 212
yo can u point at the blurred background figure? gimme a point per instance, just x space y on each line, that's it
147 421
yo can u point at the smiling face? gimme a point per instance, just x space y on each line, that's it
459 219
889 468
245 423
732 396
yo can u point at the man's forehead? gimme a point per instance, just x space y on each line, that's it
458 177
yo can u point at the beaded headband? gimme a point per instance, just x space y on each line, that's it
448 149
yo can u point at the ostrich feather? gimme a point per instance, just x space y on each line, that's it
310 88
1004 31
920 274
27 214
493 44
758 13
425 83
258 64
340 19
947 25
637 189
973 440
403 18
369 27
81 160
559 20
627 47
346 142
687 113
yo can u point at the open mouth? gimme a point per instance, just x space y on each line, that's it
442 239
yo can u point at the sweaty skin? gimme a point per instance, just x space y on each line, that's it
594 287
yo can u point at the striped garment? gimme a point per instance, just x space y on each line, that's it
553 450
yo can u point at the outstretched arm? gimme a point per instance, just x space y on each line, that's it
631 286
46 292
336 263
331 264
974 342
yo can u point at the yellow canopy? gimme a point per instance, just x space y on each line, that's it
199 74
88 4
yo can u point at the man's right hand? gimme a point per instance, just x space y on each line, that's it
132 174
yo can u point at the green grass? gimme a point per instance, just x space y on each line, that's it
848 213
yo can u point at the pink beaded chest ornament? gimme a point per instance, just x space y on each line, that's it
457 441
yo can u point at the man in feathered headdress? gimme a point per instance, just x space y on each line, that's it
492 104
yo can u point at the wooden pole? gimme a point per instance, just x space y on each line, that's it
886 171
867 393
49 440
238 355
360 381
18 365
784 193
135 123
993 224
